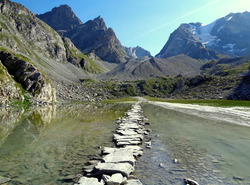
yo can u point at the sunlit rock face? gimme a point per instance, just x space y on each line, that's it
30 77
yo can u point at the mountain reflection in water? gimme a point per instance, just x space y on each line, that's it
44 144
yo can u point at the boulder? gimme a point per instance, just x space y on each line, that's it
88 181
111 168
190 182
116 179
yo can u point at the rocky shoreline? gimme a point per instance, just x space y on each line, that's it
115 165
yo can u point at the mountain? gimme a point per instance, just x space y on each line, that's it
36 55
92 36
137 52
61 19
228 36
184 41
152 67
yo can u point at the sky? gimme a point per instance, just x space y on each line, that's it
145 23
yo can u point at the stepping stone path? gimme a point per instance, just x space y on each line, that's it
115 165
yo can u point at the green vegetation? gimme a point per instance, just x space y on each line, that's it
87 64
216 103
157 86
121 100
239 69
19 56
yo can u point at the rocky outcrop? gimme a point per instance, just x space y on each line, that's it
183 41
9 89
61 18
31 79
242 91
137 52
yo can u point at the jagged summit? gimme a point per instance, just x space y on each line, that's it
90 37
61 18
94 36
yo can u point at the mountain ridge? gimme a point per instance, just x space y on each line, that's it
91 36
227 36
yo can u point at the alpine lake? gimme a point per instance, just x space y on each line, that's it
43 145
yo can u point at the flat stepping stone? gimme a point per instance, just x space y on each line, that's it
89 181
134 182
111 168
120 156
137 150
124 143
126 132
117 136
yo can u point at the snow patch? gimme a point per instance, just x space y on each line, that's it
205 34
220 28
229 47
228 19
242 50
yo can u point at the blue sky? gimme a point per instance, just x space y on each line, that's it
145 23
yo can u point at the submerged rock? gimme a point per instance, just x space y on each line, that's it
4 180
190 182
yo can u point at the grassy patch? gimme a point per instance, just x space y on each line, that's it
121 100
216 103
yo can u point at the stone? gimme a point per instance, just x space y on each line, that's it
105 178
161 165
92 162
88 181
123 155
134 182
111 168
116 179
4 180
126 132
190 182
238 178
108 150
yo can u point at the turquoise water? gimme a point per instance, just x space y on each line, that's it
206 151
43 145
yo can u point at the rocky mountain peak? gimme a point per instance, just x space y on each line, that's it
96 24
184 41
61 18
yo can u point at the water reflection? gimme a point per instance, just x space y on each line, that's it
42 145
207 151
